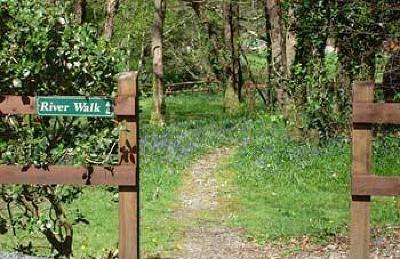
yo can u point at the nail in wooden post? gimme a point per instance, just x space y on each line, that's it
129 195
363 92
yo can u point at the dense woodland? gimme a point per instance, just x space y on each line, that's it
302 55
288 57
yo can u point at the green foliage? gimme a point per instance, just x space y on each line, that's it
43 53
93 211
194 128
40 142
321 79
285 189
132 30
183 31
255 65
323 102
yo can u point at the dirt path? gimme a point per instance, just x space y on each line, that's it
206 237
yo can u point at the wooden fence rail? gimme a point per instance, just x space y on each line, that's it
125 175
364 183
20 105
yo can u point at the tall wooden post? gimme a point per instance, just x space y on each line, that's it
129 195
363 92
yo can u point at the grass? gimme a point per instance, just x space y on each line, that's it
186 108
95 238
287 189
196 124
280 188
165 155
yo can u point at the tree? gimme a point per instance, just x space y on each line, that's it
211 42
110 9
159 107
277 37
282 36
80 10
233 68
391 76
291 37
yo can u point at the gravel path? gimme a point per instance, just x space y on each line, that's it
205 236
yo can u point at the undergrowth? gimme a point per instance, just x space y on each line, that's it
281 188
193 129
290 189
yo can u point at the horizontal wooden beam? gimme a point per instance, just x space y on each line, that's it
376 185
119 175
18 105
376 113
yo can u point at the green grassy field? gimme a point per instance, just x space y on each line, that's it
280 188
195 125
286 189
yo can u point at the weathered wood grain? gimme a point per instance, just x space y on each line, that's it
376 185
17 105
120 175
376 113
125 105
128 195
363 92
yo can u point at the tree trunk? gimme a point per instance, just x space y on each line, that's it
391 76
210 42
291 41
268 67
233 69
237 66
268 42
283 50
250 95
278 41
278 67
283 38
110 8
80 11
282 35
159 107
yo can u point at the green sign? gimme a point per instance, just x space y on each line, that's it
74 106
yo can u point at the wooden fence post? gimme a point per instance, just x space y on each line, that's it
363 92
129 195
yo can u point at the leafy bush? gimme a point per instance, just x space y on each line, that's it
43 53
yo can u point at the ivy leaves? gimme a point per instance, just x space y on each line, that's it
44 53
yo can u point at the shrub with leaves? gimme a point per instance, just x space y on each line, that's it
42 52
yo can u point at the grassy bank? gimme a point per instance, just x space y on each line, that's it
196 124
286 189
280 188
194 128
